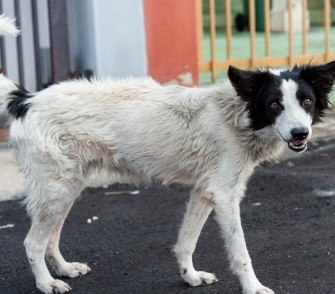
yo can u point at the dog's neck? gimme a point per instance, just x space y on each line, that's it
258 145
227 111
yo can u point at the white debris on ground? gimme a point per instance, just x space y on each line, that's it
135 192
94 218
257 204
7 226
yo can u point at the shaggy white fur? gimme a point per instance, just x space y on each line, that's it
138 130
7 26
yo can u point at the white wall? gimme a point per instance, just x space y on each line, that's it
44 41
43 23
82 47
28 53
107 36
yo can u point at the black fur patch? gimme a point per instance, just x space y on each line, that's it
321 78
258 88
19 106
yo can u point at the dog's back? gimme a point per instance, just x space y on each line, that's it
135 128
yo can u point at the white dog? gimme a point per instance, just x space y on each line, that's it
209 139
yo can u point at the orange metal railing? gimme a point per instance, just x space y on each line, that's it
272 61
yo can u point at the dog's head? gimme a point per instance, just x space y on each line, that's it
290 100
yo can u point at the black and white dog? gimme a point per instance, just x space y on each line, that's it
209 139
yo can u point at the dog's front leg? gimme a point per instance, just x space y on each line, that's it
227 211
198 209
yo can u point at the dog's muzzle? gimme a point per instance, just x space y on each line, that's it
298 143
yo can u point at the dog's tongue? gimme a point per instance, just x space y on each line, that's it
298 143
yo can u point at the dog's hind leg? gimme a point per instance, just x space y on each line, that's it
47 201
55 258
198 210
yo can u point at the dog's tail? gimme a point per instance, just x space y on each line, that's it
7 86
7 27
7 89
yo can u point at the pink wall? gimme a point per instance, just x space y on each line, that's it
170 29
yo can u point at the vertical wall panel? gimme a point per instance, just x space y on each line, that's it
28 53
120 38
10 45
108 37
82 45
59 40
171 40
44 41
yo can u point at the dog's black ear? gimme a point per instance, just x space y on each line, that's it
248 83
321 78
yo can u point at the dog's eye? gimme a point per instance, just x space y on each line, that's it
274 105
307 101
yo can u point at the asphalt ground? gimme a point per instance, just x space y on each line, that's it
288 216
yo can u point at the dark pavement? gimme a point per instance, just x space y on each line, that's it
290 236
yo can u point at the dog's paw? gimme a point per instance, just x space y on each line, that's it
194 278
259 290
54 287
73 270
264 290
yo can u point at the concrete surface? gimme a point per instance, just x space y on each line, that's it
288 216
11 181
325 130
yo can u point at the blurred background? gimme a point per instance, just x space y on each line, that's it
186 42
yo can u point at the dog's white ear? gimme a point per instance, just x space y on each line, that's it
248 83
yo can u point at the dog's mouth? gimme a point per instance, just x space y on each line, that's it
297 146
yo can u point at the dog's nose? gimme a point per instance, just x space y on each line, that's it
299 133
